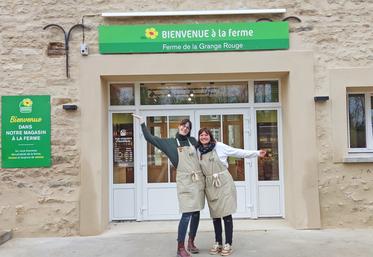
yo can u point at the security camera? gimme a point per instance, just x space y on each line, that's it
83 49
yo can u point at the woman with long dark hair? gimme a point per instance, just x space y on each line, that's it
220 189
190 181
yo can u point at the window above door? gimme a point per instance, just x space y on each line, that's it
266 91
122 94
193 93
127 95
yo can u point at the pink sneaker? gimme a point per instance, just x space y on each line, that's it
227 250
215 249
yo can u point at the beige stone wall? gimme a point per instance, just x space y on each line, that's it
46 201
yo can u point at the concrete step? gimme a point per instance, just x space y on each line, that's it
5 235
134 227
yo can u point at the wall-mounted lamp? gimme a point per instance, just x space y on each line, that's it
321 98
70 107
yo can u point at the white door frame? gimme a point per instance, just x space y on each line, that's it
117 187
249 185
271 184
250 142
169 186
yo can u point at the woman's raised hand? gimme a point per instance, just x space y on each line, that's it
139 118
262 153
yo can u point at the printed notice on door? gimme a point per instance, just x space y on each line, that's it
123 145
25 133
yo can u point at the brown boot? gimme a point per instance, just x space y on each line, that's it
191 247
181 252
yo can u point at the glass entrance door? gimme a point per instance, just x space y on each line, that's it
160 197
122 175
270 177
146 189
231 127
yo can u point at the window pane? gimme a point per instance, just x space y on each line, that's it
123 148
267 137
212 122
356 115
266 91
193 93
233 136
174 122
157 161
121 94
230 132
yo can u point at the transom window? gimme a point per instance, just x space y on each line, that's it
194 93
266 91
122 94
360 116
189 93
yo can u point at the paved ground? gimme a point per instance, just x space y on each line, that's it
279 243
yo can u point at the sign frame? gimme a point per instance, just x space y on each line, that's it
213 37
26 131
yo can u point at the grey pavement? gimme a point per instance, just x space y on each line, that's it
251 243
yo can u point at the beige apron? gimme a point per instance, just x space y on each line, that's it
220 190
190 181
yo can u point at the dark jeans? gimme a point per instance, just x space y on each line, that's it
228 227
193 217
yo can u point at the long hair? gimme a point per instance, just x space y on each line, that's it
207 131
186 121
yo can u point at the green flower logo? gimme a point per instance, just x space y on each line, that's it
27 102
25 106
151 33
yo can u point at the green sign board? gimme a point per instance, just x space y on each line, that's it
26 131
193 37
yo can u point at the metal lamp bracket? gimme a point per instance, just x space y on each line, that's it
67 38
